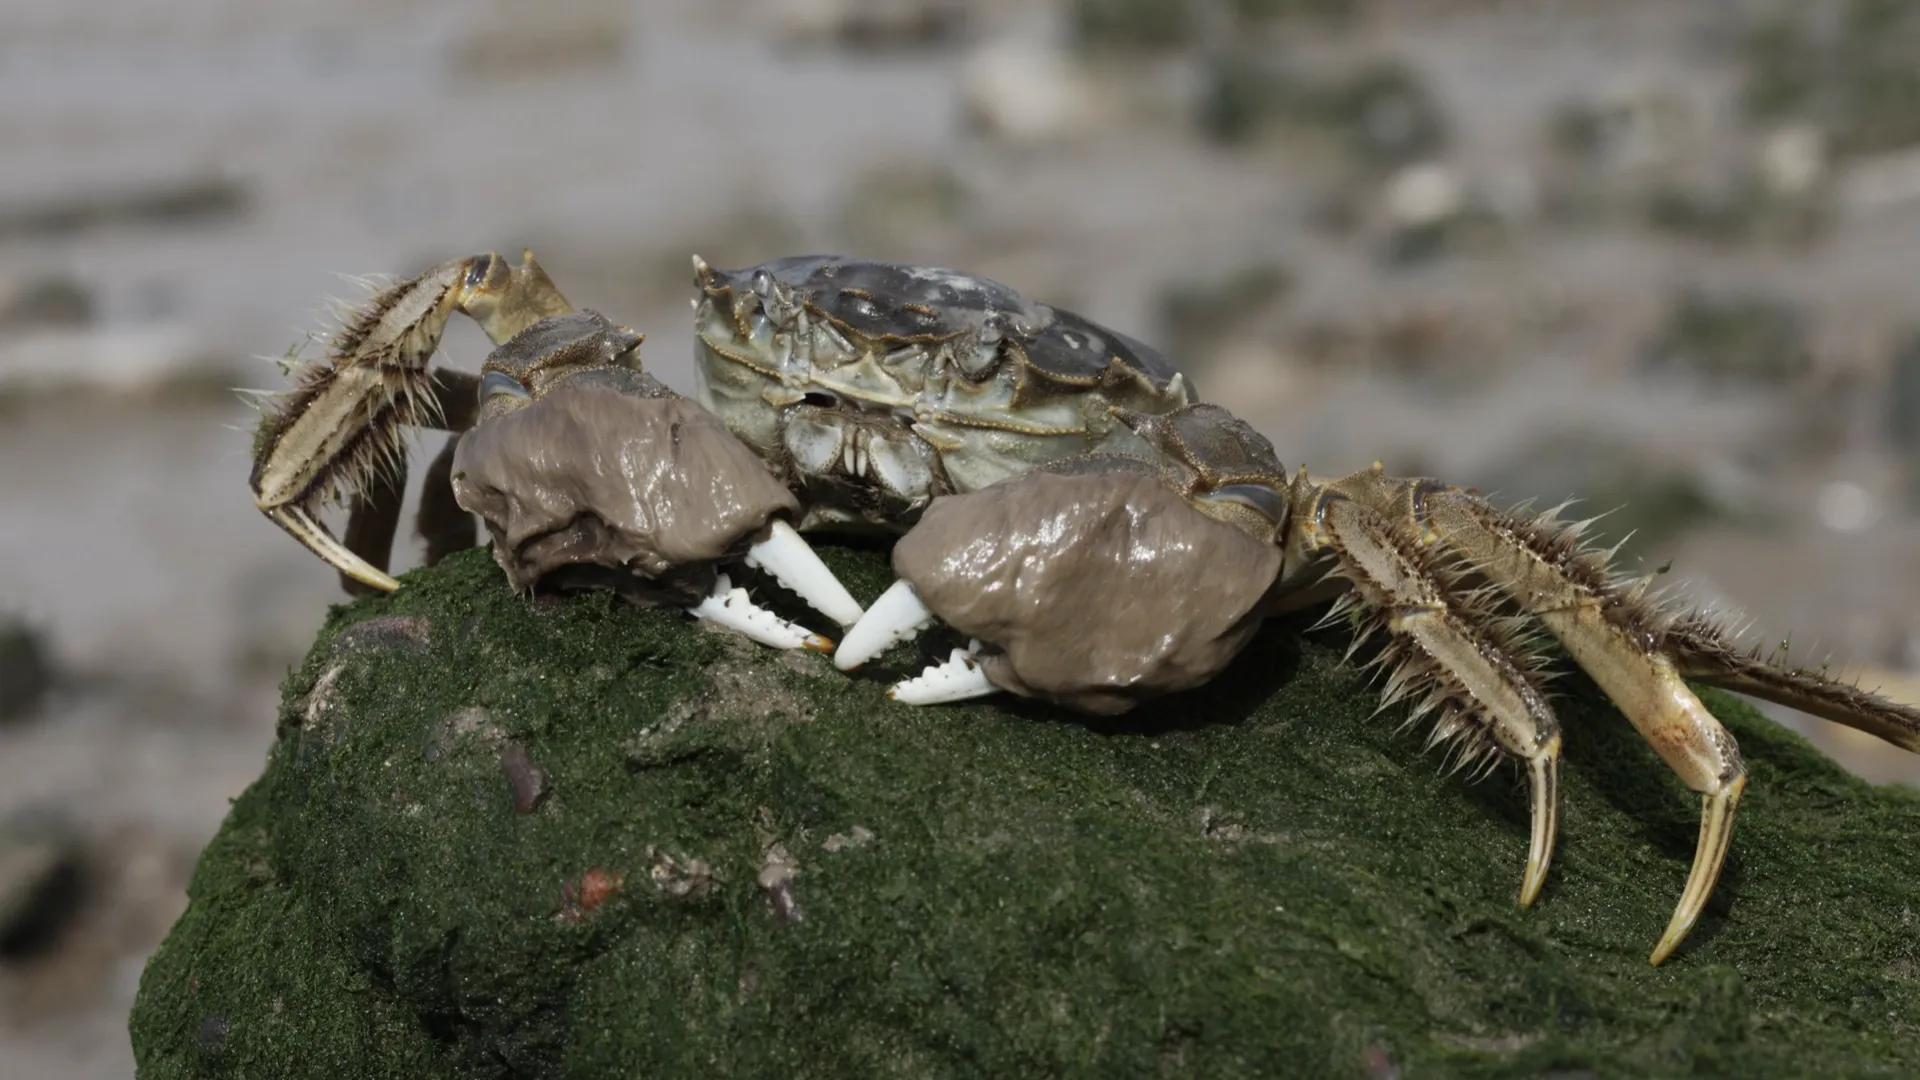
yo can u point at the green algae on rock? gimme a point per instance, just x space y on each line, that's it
499 838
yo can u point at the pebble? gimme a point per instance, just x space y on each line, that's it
40 879
26 673
1024 92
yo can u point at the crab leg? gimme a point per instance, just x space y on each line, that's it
373 520
1610 633
442 522
344 422
1702 655
1442 657
373 517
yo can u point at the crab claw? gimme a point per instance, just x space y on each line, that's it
794 563
960 678
896 616
729 607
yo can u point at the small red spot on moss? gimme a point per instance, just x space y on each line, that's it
579 898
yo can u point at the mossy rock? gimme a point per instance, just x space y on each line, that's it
570 838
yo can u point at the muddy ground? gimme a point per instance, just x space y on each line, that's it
1648 253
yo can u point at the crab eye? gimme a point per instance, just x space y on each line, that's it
1258 496
496 383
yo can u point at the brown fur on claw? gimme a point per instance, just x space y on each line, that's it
598 473
1098 588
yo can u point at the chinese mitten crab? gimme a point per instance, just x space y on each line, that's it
1063 502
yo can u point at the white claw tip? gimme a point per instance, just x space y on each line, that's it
896 616
794 564
729 607
959 679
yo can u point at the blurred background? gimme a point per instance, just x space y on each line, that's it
1650 253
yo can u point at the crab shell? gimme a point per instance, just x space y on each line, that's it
873 387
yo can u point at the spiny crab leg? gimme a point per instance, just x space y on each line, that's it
959 678
898 615
1442 657
1701 653
729 607
345 420
1609 630
794 563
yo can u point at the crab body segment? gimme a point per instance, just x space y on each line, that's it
1064 503
872 387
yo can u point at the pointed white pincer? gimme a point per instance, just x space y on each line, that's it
959 679
729 607
794 563
897 616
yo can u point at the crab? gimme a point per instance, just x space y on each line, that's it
1059 497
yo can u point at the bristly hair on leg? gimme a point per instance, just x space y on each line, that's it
1699 641
380 363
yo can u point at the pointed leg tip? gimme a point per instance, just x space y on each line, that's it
1716 836
1544 795
1669 942
1530 888
308 530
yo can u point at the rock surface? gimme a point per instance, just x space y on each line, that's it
506 839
